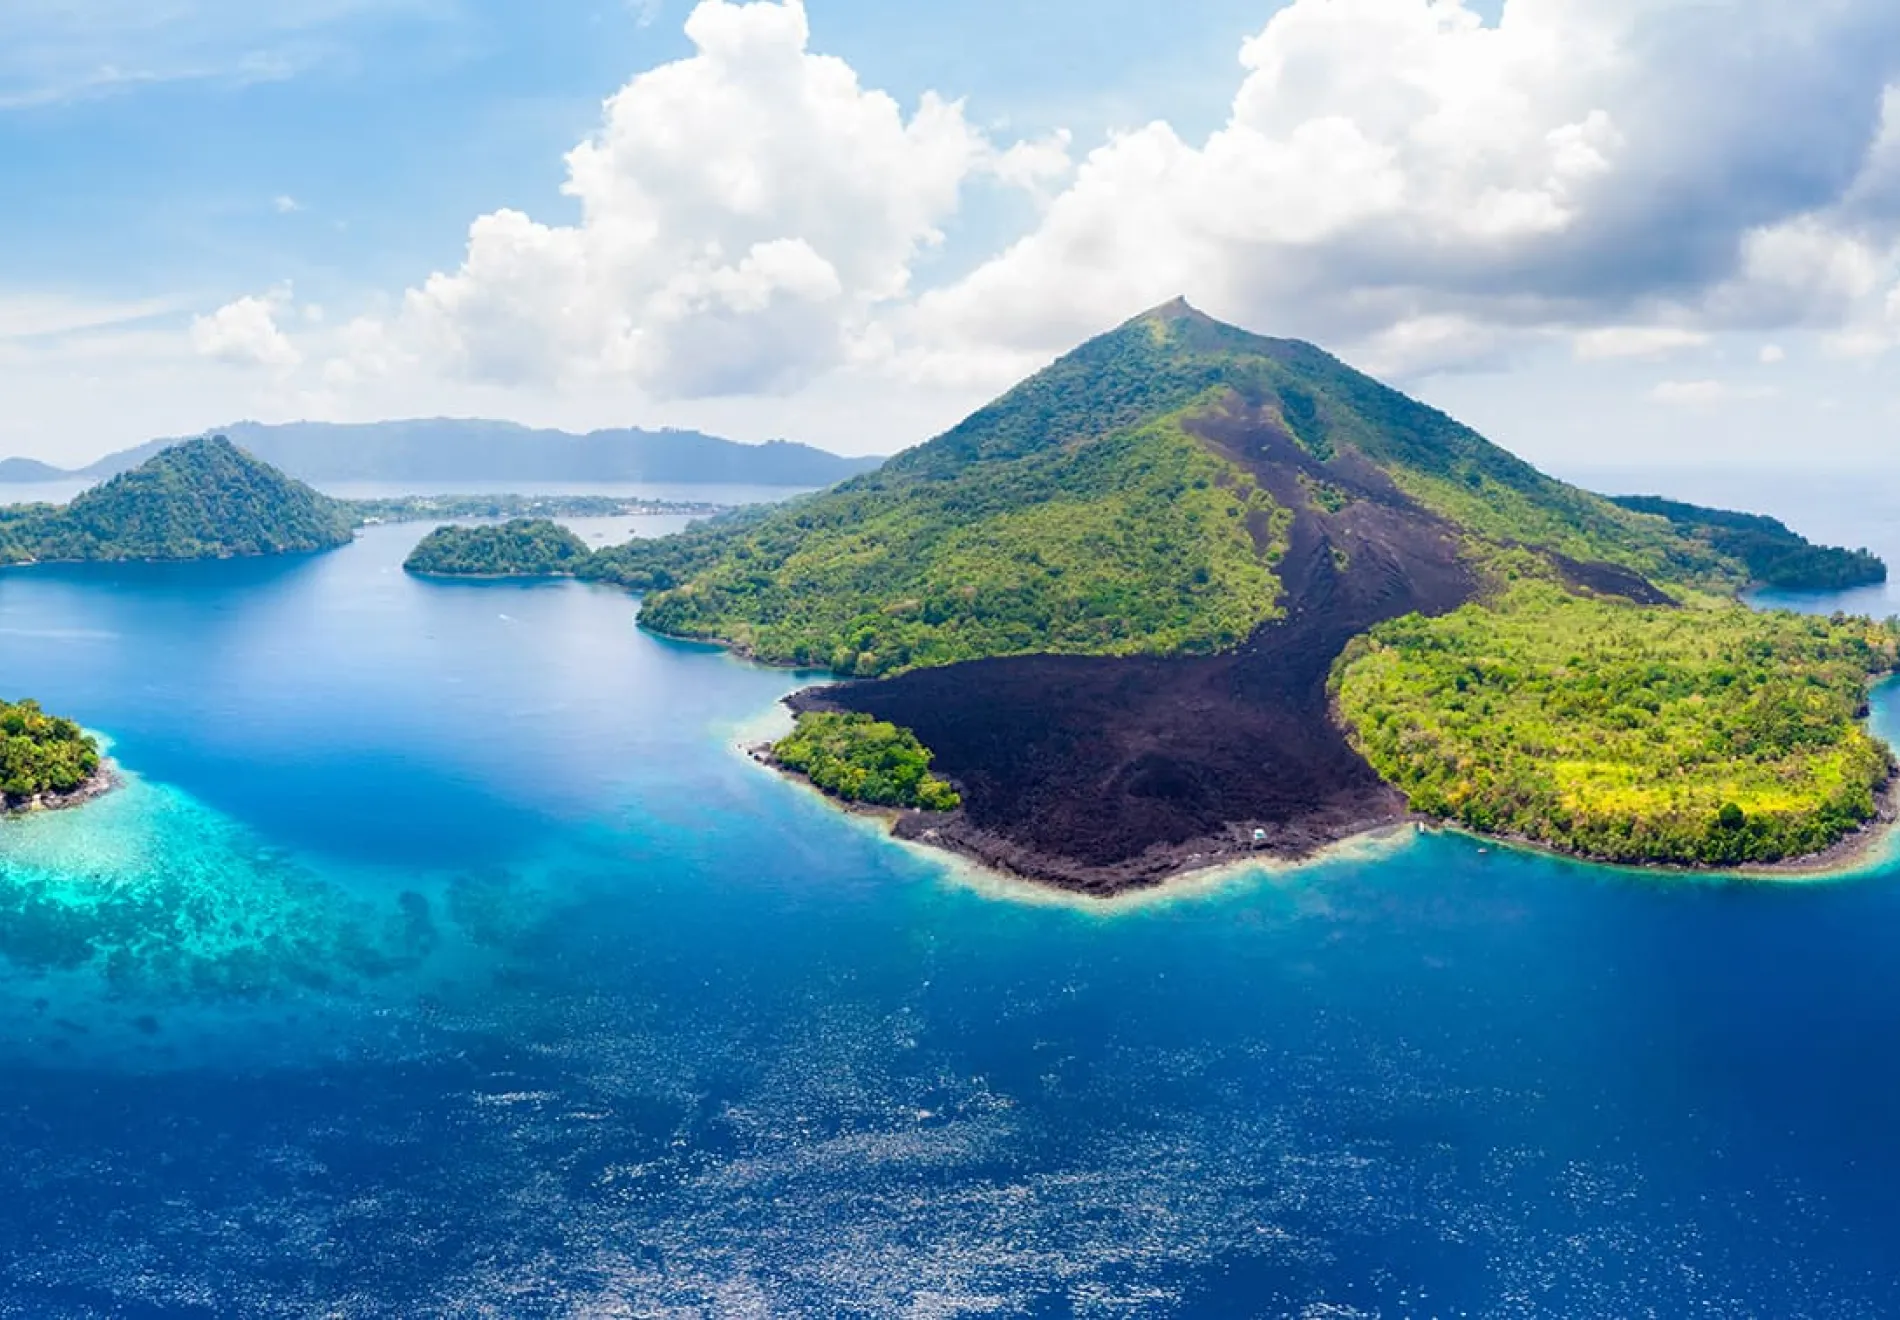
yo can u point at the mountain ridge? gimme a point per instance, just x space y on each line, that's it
457 450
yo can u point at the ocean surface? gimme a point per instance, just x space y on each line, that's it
441 956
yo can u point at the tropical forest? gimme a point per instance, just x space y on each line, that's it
202 499
521 547
42 754
1709 733
859 759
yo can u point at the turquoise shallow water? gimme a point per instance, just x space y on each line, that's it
442 958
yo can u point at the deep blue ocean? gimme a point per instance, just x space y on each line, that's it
441 956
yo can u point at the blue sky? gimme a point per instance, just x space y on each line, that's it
1681 220
390 124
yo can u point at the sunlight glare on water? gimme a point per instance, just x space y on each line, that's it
441 957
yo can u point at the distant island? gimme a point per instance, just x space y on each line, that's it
202 499
448 452
46 761
209 499
434 508
1192 594
523 547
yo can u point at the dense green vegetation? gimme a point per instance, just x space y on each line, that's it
1710 734
525 547
1123 501
1774 555
1081 514
204 499
1141 541
41 753
860 759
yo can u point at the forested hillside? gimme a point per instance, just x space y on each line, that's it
203 499
1100 509
1773 555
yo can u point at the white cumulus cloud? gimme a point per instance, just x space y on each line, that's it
244 333
1398 176
1409 185
1628 341
743 213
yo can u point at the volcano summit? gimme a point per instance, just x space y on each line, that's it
1191 592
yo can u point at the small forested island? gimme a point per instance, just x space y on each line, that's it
1191 593
202 499
862 760
45 760
523 547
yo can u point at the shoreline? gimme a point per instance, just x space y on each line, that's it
1288 841
1856 854
981 858
529 579
106 779
1003 883
1235 844
936 834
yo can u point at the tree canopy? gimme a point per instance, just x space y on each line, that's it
523 547
1708 734
860 759
41 753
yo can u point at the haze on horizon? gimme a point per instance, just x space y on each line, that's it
1626 232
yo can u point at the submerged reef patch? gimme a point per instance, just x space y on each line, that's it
158 894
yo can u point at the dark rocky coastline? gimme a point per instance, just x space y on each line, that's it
102 781
1106 774
1102 775
1297 836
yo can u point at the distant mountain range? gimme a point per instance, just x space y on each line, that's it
26 470
446 451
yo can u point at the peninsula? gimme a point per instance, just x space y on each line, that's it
1191 593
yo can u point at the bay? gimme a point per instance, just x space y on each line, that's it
441 956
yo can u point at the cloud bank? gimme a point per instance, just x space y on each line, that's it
1396 179
745 212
